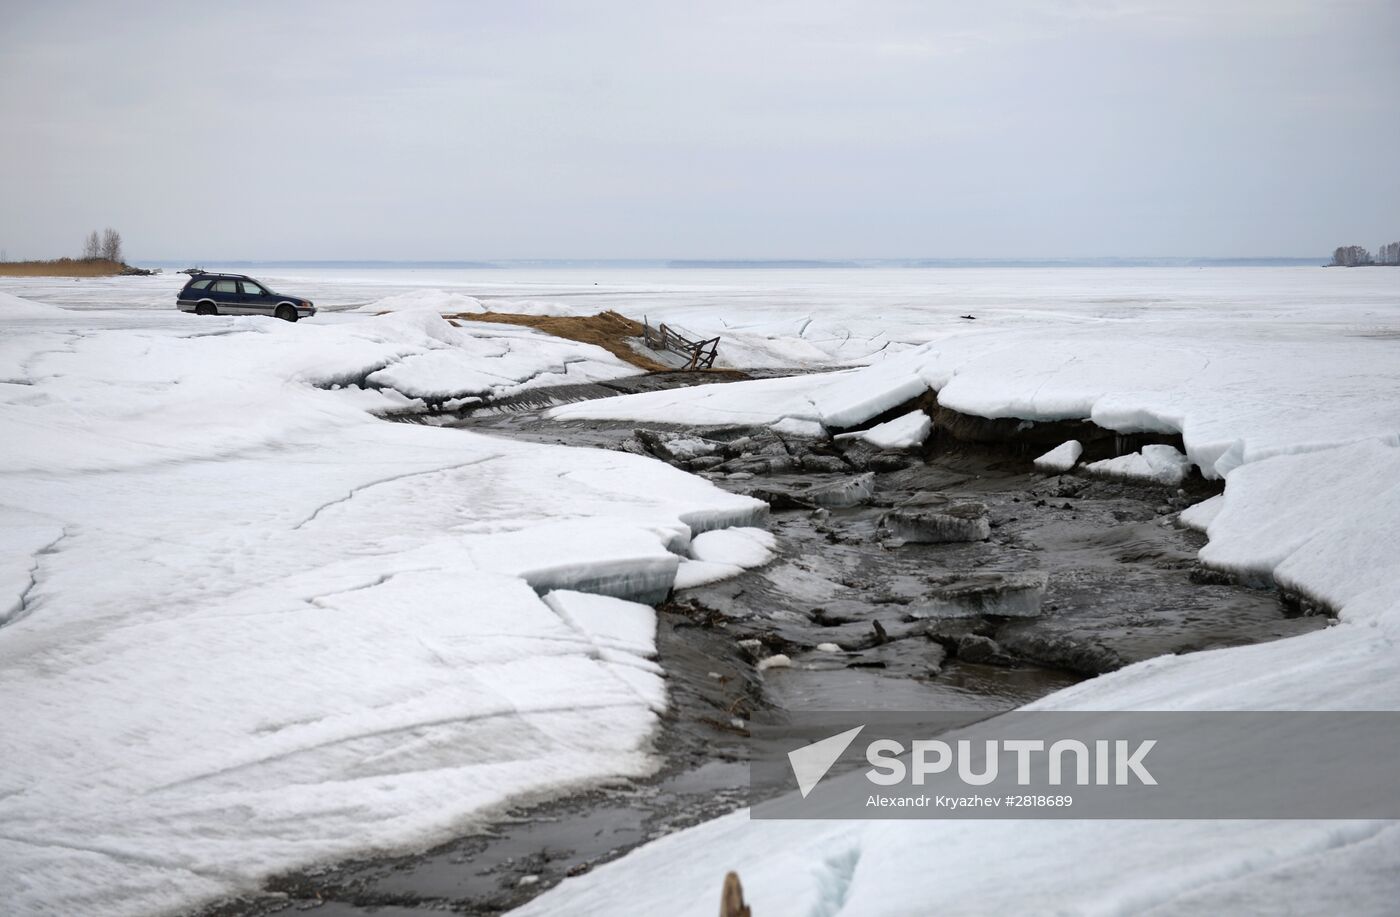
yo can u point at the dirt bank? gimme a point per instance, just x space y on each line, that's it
608 330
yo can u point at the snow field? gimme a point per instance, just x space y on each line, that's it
247 625
1282 382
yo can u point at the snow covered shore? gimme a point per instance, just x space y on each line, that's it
133 556
1303 423
246 625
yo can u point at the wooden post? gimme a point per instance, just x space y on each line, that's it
731 903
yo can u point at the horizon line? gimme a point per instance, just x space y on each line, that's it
684 263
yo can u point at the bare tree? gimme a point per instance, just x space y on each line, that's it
1351 256
92 247
111 244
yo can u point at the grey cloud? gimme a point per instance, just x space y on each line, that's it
723 129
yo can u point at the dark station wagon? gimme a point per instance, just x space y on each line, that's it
236 294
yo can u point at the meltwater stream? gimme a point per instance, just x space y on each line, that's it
866 623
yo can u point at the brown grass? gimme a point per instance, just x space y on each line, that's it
608 330
61 267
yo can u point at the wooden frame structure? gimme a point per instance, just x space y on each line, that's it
700 353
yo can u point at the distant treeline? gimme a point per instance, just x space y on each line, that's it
1358 256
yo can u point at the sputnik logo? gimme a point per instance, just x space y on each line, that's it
811 762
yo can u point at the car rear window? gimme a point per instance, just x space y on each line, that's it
226 286
200 284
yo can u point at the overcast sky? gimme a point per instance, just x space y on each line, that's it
811 129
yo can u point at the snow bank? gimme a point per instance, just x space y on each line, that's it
1333 536
532 307
1234 394
247 625
769 401
452 302
440 301
487 360
12 306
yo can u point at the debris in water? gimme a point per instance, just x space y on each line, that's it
1012 595
849 492
976 648
950 522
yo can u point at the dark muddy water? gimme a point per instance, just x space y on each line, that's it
866 625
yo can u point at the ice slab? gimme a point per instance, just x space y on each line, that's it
907 431
939 523
1061 458
1160 464
1015 594
851 491
741 547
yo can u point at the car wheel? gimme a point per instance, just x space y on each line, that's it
287 313
204 309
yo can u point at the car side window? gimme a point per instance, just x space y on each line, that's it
200 285
252 289
225 286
